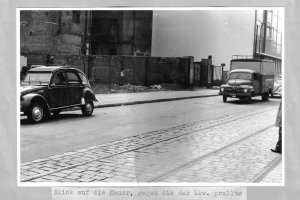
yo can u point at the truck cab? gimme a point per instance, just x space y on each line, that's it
249 78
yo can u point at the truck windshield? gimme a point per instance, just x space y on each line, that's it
37 78
240 75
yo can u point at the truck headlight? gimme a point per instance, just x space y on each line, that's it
222 89
245 90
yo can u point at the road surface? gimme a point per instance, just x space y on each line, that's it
176 141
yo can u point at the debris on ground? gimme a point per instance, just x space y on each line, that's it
155 87
129 88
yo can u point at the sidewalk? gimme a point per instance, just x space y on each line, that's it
119 99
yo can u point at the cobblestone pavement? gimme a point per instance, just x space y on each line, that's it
274 176
239 163
145 157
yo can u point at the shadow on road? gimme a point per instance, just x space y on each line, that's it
54 119
253 101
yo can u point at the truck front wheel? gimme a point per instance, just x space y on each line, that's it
224 98
249 99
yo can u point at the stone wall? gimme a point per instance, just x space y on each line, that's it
134 70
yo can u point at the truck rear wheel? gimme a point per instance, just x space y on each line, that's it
265 96
271 93
224 98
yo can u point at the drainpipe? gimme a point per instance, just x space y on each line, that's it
84 48
59 23
133 36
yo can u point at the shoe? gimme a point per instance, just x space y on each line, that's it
276 151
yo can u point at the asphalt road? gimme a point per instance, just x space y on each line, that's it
70 131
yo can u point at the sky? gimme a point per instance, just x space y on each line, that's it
200 33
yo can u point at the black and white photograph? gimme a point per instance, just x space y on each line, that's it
145 100
151 96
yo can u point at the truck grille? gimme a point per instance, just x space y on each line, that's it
234 90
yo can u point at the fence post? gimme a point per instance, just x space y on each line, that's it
122 75
146 72
84 58
133 74
109 74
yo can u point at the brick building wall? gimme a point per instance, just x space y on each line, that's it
69 32
121 32
52 32
38 31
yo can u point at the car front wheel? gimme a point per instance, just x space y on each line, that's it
36 112
88 108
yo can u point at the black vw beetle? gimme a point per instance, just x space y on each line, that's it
50 89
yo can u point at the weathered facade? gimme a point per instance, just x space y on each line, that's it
111 47
86 32
127 32
49 32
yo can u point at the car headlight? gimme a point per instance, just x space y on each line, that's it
245 90
222 89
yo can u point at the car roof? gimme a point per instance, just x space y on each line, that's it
50 68
244 70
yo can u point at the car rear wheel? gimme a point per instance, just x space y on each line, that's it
88 108
36 112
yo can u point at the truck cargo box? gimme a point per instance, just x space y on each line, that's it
263 67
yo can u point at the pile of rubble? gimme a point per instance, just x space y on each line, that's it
128 88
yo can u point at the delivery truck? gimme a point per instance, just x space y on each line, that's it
249 78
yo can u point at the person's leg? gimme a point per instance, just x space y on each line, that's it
278 144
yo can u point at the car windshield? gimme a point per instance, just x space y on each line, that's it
240 75
37 78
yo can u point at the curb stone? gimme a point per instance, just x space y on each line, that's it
151 101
